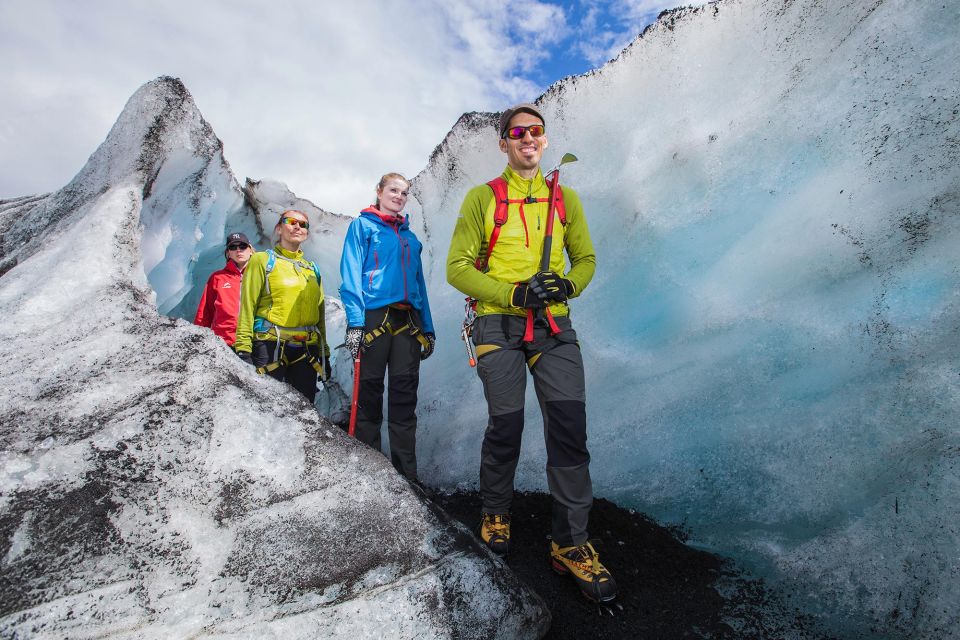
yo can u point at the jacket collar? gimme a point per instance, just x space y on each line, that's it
524 185
232 266
399 221
293 255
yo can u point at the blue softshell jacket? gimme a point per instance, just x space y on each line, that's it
381 265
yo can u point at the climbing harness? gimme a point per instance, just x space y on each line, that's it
293 335
408 324
285 335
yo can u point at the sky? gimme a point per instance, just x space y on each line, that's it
323 96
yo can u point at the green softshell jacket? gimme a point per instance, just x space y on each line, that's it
516 255
295 298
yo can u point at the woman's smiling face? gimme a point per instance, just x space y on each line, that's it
292 234
393 196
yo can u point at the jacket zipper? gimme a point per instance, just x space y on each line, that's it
403 268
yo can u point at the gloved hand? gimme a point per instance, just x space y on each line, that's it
550 287
523 297
428 350
353 341
246 356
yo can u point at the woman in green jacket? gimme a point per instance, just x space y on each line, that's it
281 327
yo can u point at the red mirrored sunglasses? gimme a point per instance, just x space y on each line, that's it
293 221
515 133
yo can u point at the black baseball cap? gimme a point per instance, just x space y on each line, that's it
236 238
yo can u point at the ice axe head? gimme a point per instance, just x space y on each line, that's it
567 157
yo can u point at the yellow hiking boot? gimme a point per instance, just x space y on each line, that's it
495 532
583 563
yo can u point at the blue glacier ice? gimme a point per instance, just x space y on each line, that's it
772 339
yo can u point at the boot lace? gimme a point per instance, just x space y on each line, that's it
497 524
587 558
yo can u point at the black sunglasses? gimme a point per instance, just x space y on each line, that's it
237 247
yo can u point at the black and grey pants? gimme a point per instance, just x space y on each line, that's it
557 369
299 375
400 354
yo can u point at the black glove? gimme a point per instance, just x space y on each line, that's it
246 356
550 287
353 341
428 350
326 367
523 297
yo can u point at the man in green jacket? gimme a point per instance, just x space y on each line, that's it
523 320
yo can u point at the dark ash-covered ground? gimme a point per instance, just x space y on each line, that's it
667 589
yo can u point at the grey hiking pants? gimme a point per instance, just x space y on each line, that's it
557 369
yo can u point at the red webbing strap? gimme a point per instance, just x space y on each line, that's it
554 328
500 212
528 332
499 186
558 201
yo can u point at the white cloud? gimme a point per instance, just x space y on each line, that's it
324 96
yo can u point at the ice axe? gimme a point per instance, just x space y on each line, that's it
548 246
356 396
352 429
548 233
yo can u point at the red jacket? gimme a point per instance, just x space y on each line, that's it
220 304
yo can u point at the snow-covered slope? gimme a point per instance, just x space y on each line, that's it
772 339
152 485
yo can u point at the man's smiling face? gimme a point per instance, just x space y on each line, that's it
524 153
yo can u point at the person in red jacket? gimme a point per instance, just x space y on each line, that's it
220 304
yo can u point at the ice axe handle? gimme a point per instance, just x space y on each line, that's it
552 209
356 396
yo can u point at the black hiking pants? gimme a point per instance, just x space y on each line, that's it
299 375
557 369
400 355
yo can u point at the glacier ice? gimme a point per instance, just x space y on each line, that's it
772 336
151 484
771 340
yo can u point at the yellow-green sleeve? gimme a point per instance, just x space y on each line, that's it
466 244
251 287
576 235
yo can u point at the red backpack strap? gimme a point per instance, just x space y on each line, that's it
499 186
558 197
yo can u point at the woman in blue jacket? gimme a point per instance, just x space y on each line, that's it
388 319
